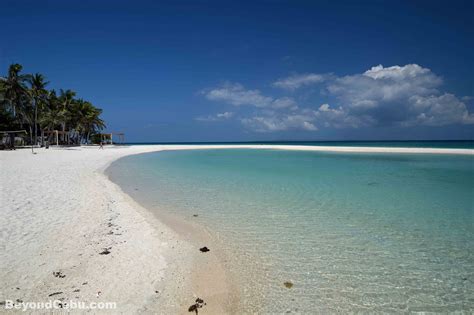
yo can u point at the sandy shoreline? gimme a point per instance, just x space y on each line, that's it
61 212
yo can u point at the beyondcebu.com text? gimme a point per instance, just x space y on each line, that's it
58 305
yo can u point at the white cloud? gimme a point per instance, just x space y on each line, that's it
398 95
304 119
284 102
296 81
397 72
340 118
381 85
237 95
225 115
324 108
280 123
406 95
438 111
216 117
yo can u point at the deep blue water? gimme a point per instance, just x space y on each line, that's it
454 144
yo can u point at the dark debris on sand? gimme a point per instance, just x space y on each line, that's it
106 251
55 293
204 249
288 284
196 306
58 274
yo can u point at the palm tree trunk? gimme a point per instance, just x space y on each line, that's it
14 109
63 128
31 139
36 119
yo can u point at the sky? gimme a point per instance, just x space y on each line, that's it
185 71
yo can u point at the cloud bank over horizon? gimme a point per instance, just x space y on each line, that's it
400 96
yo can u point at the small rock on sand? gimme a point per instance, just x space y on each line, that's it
204 249
106 251
288 284
58 274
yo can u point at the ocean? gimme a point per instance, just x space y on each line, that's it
351 232
441 144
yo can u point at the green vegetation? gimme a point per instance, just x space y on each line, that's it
26 103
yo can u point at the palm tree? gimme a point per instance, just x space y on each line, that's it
85 119
37 107
7 121
66 99
2 89
92 122
14 88
39 97
16 97
49 118
6 118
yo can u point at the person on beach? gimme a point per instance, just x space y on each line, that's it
101 145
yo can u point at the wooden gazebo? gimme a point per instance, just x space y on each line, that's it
8 138
109 137
56 134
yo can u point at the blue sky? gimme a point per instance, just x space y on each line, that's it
256 70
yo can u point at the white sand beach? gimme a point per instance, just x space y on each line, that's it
60 213
69 233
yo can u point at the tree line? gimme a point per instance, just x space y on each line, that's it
27 104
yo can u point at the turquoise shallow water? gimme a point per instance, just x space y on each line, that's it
352 232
